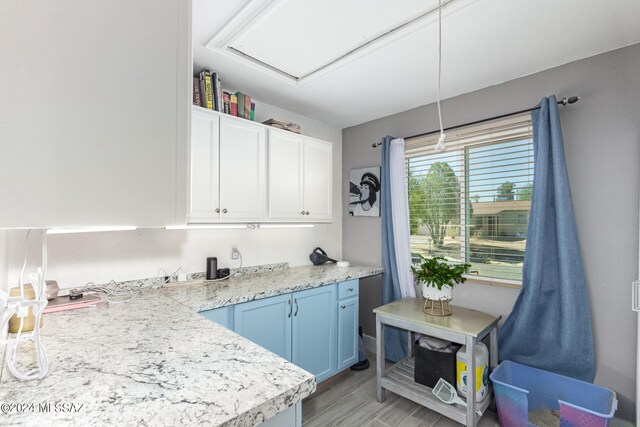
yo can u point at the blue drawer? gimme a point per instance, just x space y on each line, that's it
348 289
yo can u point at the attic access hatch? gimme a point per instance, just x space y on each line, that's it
297 40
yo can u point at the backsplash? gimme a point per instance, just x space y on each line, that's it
243 271
157 282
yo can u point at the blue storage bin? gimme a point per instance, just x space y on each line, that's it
520 389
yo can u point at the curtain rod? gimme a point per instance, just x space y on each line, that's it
563 101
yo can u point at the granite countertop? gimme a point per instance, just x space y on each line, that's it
201 296
154 362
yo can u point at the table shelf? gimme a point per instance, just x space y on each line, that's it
399 379
463 326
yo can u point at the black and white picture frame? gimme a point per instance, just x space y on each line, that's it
364 191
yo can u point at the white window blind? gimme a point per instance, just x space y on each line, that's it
471 202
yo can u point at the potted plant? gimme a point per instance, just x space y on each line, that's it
437 278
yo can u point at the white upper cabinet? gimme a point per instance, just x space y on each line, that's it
205 159
318 179
239 175
243 179
228 174
93 112
300 177
285 175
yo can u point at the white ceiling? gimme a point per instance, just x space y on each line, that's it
345 62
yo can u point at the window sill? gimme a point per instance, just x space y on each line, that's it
503 283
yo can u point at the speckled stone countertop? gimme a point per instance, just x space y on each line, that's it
154 362
201 296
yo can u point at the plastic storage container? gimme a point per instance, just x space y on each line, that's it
521 390
482 371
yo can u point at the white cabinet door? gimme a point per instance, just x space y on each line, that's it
243 176
91 135
205 158
285 175
318 179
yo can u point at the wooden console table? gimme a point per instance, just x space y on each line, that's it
464 326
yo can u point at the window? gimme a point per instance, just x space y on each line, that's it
471 202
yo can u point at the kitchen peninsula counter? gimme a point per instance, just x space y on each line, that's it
156 361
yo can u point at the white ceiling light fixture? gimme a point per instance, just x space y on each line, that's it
297 42
91 229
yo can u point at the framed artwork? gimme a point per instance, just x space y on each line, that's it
364 191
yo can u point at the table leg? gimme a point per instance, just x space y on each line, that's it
380 365
471 381
493 348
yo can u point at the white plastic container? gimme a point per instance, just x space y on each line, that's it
482 371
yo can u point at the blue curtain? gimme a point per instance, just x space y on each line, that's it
550 325
395 340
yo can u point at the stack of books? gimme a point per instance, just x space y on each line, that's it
280 124
208 93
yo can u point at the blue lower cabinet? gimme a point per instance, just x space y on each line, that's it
266 322
347 333
317 329
314 331
223 316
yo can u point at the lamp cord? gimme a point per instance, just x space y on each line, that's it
440 145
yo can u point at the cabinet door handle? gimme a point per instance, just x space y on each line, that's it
350 289
217 210
306 213
224 211
295 301
290 308
343 307
302 212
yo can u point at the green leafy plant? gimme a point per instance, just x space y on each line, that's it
437 272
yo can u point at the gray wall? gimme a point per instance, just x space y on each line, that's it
602 144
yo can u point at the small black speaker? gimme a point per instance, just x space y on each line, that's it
212 268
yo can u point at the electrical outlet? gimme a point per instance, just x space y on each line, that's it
235 254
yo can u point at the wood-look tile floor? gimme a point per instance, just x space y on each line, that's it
350 400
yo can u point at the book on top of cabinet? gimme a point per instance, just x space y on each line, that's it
233 104
197 99
208 93
226 102
281 124
247 107
240 96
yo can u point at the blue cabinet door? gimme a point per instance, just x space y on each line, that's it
314 331
223 316
347 332
266 322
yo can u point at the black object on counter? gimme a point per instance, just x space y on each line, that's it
75 294
212 268
319 257
223 272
